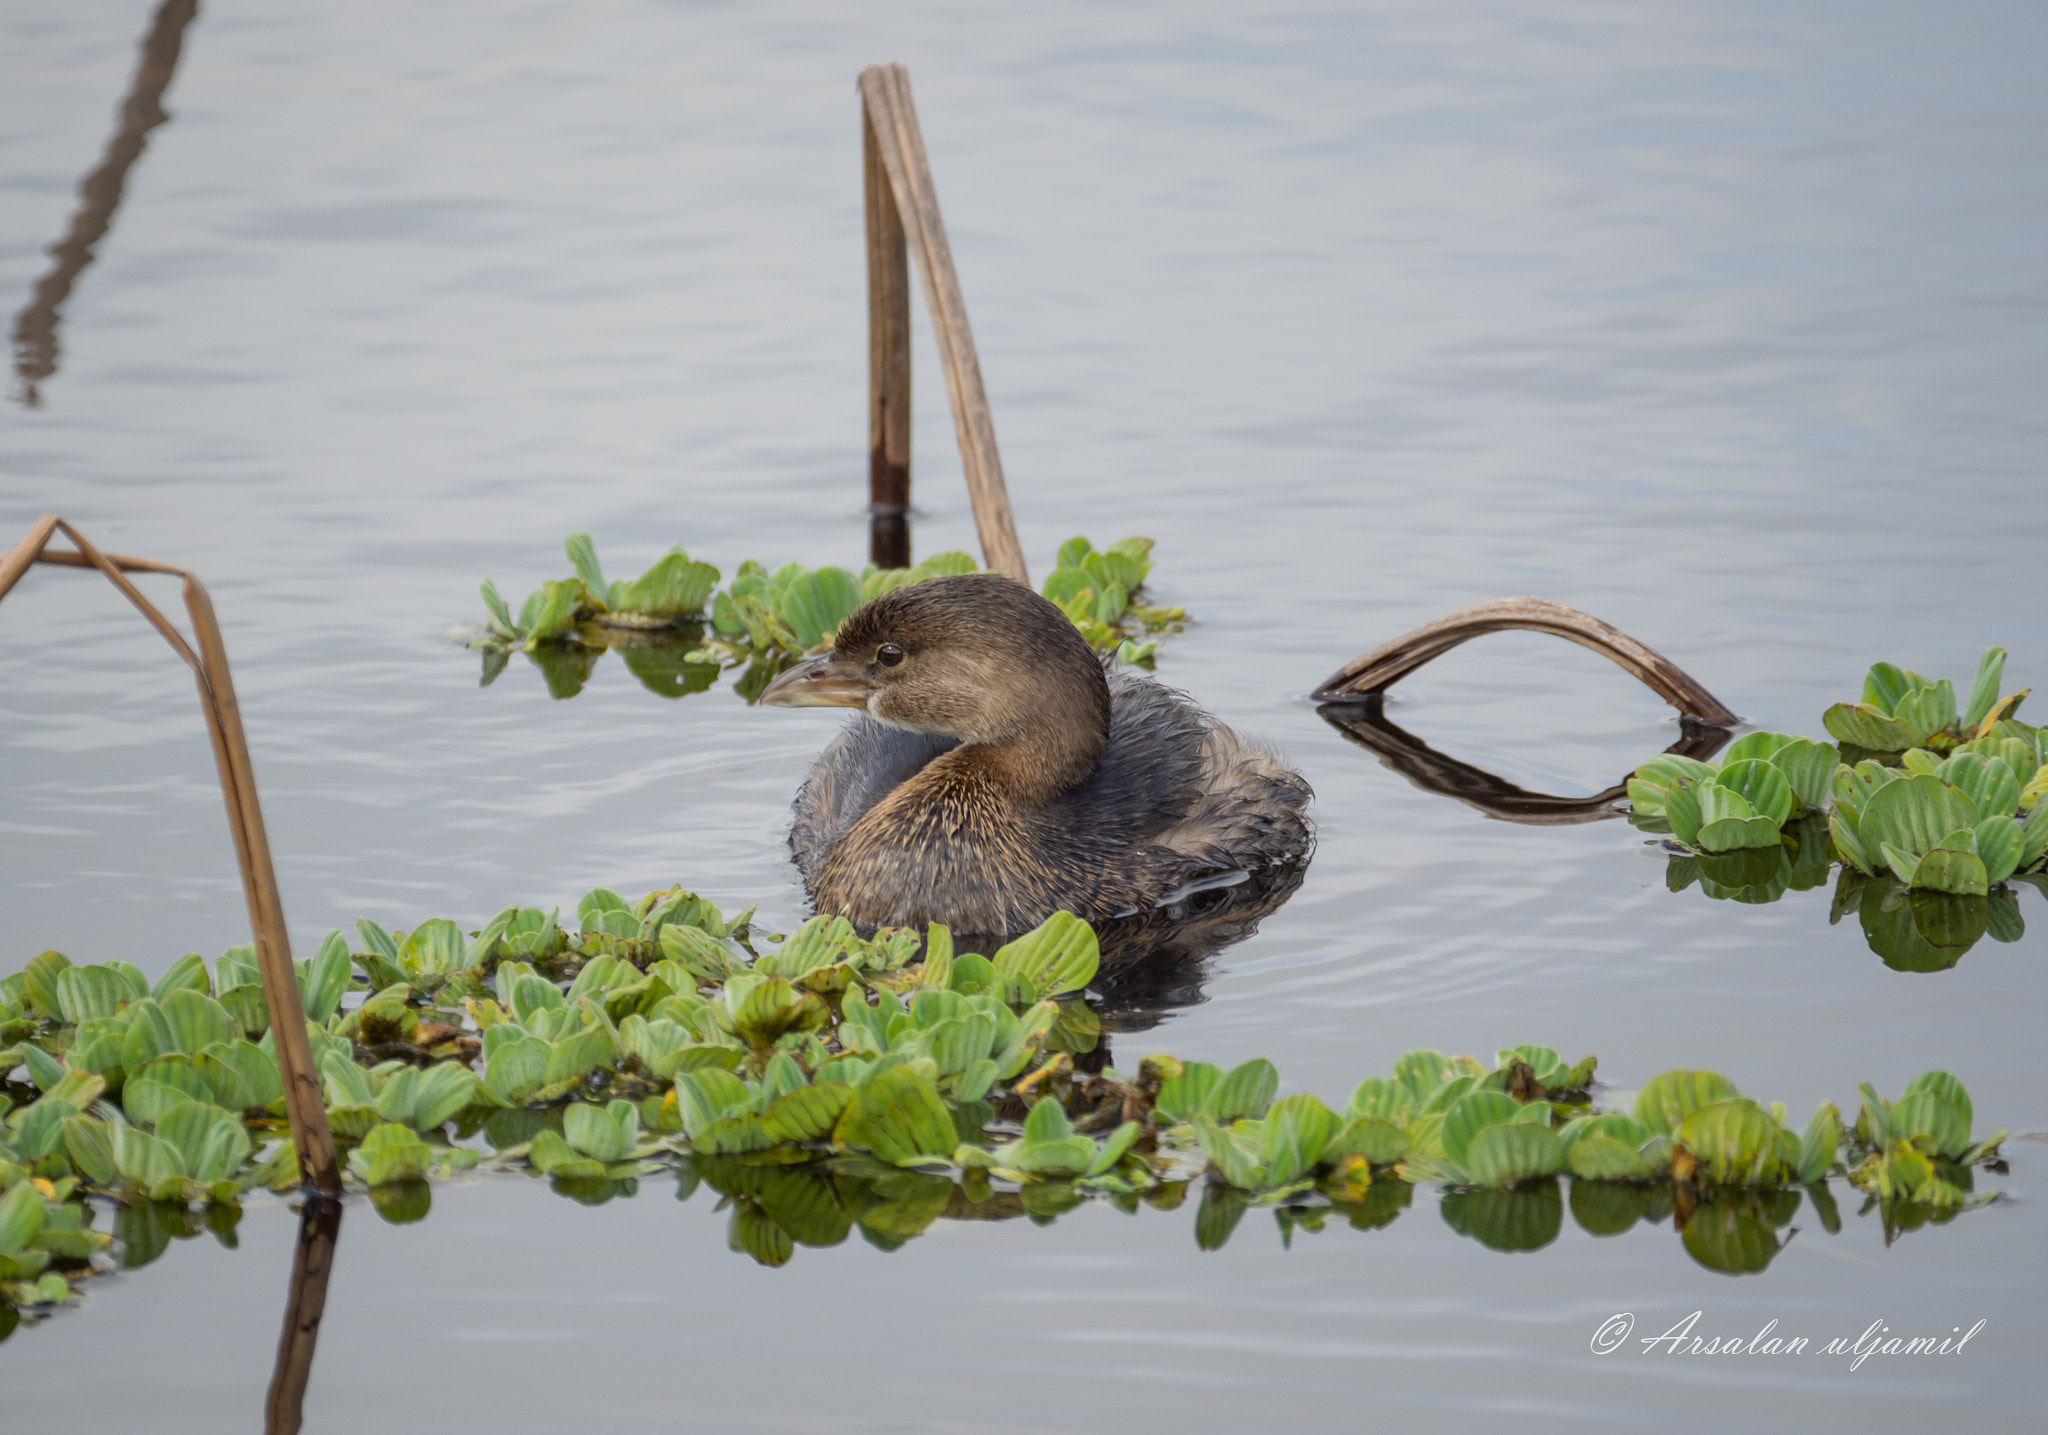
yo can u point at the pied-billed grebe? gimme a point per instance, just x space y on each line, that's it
1000 775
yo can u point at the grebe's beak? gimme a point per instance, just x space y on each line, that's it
821 682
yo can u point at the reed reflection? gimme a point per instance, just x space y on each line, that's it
35 328
1364 722
312 1263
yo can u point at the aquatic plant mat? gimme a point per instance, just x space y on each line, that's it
678 631
828 1082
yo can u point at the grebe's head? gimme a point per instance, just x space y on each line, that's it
978 657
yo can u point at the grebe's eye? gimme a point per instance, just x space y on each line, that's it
889 655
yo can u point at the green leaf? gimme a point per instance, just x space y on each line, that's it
554 609
2034 835
1753 746
44 1069
21 1218
1504 1154
575 1057
1886 683
445 1090
83 993
1472 1114
816 603
1762 787
1389 1100
1113 1150
1243 1092
1655 778
2000 843
161 1085
247 1008
899 1116
673 586
326 978
1962 874
1865 726
188 973
1736 834
210 1144
1667 1099
818 943
936 971
1734 1140
1935 1112
1927 712
1376 1139
600 1132
90 1145
1058 956
808 1113
1809 769
1292 1137
583 558
515 1069
1843 830
1182 1095
1232 1150
1988 782
1048 1146
1601 1157
501 616
1984 689
1682 809
391 1153
240 1068
1817 1149
1913 814
698 952
197 1020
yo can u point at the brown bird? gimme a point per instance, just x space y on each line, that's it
999 774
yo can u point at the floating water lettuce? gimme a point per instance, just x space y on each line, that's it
854 1079
1901 709
672 589
1920 1147
1946 825
766 619
1762 782
1926 841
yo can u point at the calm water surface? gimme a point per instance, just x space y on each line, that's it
1724 323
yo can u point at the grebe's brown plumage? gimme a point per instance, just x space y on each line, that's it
1000 775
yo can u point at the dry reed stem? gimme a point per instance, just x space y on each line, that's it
892 119
1391 661
312 1141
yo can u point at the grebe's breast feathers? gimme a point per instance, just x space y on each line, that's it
860 767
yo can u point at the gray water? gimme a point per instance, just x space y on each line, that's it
1723 323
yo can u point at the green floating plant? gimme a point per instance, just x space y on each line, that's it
1762 782
1927 838
1944 824
765 620
1901 709
672 589
663 1033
